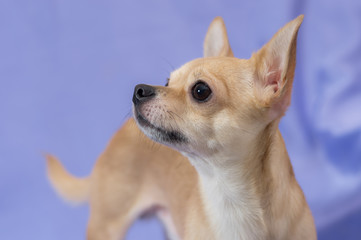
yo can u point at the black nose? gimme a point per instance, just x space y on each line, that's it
142 93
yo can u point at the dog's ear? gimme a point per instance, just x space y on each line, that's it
275 66
216 42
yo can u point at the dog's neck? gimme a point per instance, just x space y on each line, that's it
234 192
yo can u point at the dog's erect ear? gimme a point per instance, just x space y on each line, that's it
216 42
275 66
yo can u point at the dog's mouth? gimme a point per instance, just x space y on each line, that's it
143 121
158 134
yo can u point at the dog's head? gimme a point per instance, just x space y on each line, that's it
219 102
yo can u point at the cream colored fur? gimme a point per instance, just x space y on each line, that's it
233 180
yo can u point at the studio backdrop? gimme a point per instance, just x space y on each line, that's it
68 69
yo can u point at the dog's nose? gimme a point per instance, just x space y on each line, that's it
142 93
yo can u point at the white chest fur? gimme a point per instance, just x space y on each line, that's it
232 208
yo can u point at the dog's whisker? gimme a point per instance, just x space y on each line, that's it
169 63
173 113
127 115
247 131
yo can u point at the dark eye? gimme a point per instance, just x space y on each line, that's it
167 83
201 91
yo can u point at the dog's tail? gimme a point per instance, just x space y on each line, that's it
73 189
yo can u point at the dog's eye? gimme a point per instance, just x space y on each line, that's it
167 83
201 91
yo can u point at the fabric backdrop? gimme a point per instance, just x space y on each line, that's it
67 73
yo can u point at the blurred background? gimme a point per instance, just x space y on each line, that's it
67 73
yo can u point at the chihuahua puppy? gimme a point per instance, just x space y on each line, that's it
233 178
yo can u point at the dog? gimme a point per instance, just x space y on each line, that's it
216 166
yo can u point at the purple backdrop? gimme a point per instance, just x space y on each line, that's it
67 72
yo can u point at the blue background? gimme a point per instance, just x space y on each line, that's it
67 72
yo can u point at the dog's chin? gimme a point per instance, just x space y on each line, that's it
164 136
